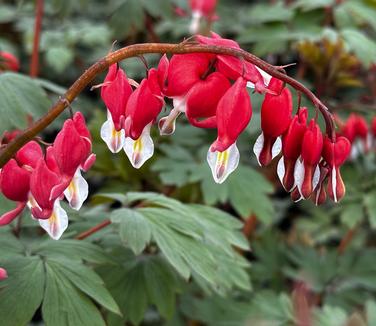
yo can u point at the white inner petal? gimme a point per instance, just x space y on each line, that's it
334 184
194 27
257 148
277 147
77 191
57 223
167 124
281 171
140 150
316 178
299 172
222 164
113 138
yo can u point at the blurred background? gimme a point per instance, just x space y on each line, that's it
307 265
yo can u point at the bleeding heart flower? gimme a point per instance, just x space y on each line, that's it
8 62
115 93
291 148
143 107
234 112
15 179
233 67
276 113
356 131
15 185
203 98
307 171
184 71
335 154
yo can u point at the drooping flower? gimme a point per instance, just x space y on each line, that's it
46 209
143 107
356 131
203 98
335 154
291 148
233 67
234 112
115 93
15 179
276 113
71 152
201 9
8 62
307 171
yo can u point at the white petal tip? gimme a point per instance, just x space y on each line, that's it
140 150
57 223
113 138
222 164
257 148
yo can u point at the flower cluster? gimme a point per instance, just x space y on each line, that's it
308 158
211 91
361 136
40 180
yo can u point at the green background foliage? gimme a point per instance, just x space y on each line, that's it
182 250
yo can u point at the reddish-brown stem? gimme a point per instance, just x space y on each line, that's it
34 65
346 240
139 49
93 230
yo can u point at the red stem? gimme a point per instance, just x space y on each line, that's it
140 49
93 230
34 65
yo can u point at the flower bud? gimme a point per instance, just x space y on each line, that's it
335 154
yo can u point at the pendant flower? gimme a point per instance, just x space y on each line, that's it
335 154
115 93
307 171
276 113
234 112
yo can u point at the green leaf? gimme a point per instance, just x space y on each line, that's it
63 304
74 249
59 58
370 204
20 96
134 228
363 46
351 214
161 285
247 191
263 13
22 292
371 312
87 281
330 316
